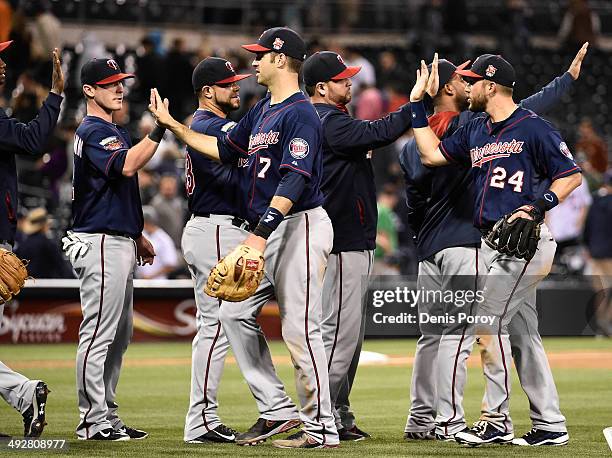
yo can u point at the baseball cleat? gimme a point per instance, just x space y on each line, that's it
537 437
34 417
300 440
132 433
221 434
348 435
361 432
419 435
262 429
108 434
481 433
451 437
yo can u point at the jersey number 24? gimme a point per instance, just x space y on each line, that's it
498 179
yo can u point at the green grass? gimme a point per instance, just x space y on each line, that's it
156 399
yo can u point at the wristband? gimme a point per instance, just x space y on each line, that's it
419 115
268 222
157 134
547 201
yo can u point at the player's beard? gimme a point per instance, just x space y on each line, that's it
478 103
463 104
229 105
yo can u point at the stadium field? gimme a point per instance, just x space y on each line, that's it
154 389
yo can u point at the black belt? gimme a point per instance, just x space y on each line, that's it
236 221
120 234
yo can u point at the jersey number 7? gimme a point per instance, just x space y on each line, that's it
498 179
266 161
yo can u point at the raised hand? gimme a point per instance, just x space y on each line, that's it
57 79
425 81
433 83
159 109
574 68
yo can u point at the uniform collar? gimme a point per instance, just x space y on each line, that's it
494 127
292 98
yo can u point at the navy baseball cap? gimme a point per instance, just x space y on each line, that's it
102 71
324 66
281 40
446 70
214 70
493 68
5 44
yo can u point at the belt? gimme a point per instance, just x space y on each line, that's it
236 221
117 233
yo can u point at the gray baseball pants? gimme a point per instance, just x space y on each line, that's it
510 289
15 389
106 273
295 259
343 326
205 241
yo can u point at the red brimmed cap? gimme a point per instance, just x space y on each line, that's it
5 44
493 68
214 70
324 66
102 71
280 40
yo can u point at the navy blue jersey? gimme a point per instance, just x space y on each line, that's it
597 227
26 139
513 161
440 200
276 139
103 199
211 187
348 178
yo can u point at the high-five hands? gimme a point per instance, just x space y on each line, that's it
159 109
426 82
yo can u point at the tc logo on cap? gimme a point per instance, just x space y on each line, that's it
340 59
490 71
229 67
112 64
278 43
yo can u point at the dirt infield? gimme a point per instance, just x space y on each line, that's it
560 360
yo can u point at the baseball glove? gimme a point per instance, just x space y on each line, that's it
237 276
13 274
518 238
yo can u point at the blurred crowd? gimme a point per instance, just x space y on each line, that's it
580 224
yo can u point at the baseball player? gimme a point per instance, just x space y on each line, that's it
280 139
522 167
217 225
446 242
350 201
29 397
103 246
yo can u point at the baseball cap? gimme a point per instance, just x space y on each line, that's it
214 70
325 66
281 40
5 44
102 71
446 69
493 68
